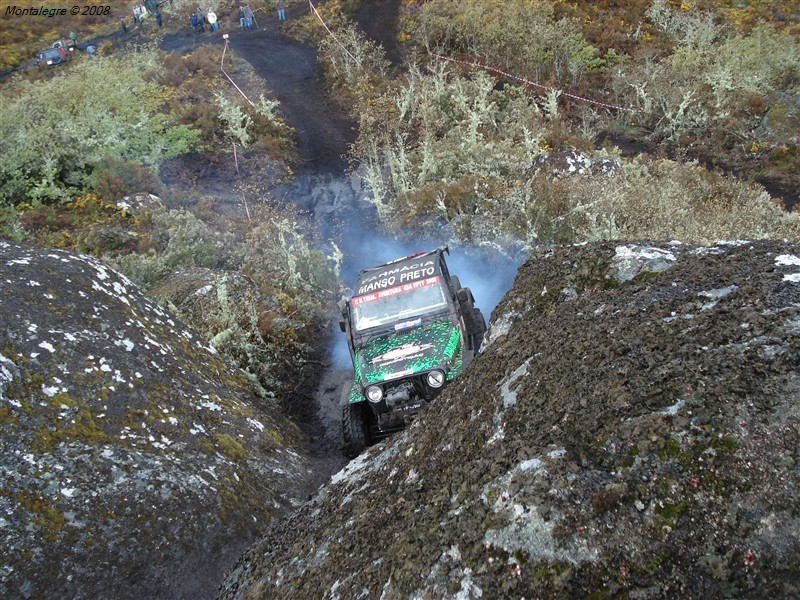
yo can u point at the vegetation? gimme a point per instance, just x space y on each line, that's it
509 156
65 167
51 154
513 156
22 35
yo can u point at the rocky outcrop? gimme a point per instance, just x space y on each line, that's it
135 462
631 430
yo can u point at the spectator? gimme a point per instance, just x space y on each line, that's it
201 19
211 17
137 13
195 22
281 7
157 14
122 23
241 17
248 16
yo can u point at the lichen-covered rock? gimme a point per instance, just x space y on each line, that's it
135 462
632 430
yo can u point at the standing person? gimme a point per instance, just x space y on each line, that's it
122 23
158 17
201 20
195 23
137 13
241 17
248 16
211 17
281 7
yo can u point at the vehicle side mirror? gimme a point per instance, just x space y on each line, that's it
343 326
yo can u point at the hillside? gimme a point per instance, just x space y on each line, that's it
172 251
631 430
134 458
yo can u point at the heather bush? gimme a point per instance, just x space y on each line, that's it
701 83
447 128
101 108
273 251
178 239
524 37
355 67
463 153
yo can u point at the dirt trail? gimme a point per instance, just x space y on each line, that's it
321 187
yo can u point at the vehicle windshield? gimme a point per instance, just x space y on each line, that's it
398 305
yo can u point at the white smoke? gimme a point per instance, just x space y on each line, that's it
487 273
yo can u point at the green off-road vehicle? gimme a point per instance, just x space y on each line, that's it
411 328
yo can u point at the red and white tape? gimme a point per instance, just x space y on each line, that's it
316 12
486 67
532 83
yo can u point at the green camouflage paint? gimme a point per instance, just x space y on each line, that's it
406 353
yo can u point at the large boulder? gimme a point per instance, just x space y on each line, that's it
135 462
631 430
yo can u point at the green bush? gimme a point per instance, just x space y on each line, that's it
703 80
54 133
524 37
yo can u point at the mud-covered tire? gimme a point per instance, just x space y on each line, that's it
354 430
480 328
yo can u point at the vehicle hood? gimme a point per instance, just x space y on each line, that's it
404 353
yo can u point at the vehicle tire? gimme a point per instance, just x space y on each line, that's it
354 429
480 328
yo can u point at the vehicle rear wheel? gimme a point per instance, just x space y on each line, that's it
354 429
480 328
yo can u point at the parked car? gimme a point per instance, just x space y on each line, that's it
51 57
66 43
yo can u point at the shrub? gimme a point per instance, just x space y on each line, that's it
701 82
115 179
49 154
517 35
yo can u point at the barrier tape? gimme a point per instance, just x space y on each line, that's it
533 83
222 68
314 8
488 68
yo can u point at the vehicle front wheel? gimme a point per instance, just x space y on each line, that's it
354 430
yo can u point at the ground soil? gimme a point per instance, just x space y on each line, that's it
324 133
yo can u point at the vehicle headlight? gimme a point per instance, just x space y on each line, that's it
374 393
435 379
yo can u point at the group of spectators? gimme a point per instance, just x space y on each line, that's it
199 20
142 12
245 17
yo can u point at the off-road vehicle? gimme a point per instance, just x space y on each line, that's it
411 328
50 57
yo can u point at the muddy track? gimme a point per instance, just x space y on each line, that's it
294 78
